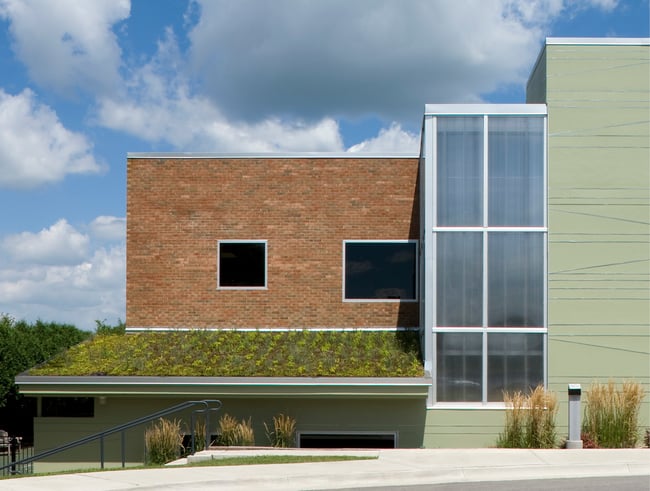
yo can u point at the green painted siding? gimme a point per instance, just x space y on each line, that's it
463 428
599 215
403 417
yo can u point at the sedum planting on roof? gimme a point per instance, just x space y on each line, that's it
198 353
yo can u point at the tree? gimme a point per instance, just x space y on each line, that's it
22 346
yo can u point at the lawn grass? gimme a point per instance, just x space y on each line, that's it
199 353
276 459
227 461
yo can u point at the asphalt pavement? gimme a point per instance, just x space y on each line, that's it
391 468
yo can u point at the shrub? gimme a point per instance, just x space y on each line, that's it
646 439
235 433
163 442
283 432
611 415
530 420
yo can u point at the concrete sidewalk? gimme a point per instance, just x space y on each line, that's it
399 467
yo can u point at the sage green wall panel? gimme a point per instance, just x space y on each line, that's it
609 68
606 312
596 167
598 100
403 417
463 428
593 357
616 254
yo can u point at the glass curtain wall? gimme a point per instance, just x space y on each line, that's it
490 236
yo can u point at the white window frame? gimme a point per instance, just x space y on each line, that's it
383 300
243 241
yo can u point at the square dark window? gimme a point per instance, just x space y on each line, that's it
380 270
242 264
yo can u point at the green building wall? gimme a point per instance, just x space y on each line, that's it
404 418
598 98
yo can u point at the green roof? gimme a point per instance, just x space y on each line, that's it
197 353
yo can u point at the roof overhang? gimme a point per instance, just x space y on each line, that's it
480 109
308 387
278 155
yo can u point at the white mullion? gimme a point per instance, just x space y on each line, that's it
484 365
545 267
545 174
431 253
485 171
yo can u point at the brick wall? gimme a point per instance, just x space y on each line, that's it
178 209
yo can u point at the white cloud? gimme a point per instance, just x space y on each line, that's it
67 44
53 275
109 228
382 57
390 140
160 107
35 148
269 77
59 244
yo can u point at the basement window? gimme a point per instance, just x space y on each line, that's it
347 440
242 264
67 407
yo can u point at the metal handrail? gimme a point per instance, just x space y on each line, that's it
209 405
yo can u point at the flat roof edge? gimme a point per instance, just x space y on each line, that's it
101 380
477 109
283 155
311 387
603 41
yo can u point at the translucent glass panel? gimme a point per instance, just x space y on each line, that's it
515 171
460 171
515 363
459 287
515 279
459 367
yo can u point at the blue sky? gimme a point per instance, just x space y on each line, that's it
83 82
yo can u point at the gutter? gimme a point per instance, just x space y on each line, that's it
313 387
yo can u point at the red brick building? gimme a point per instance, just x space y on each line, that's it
187 214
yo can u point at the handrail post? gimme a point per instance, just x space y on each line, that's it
207 424
101 450
123 438
192 427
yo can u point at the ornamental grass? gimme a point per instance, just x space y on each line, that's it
282 432
530 420
235 433
199 353
163 442
611 414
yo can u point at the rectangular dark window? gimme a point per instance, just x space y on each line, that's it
242 264
380 270
68 407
